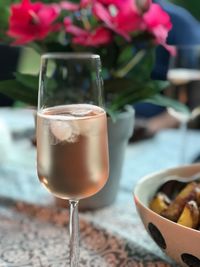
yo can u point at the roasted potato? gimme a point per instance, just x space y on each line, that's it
159 203
183 207
176 206
190 215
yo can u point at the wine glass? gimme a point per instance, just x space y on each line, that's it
184 76
72 146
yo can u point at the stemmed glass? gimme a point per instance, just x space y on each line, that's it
184 75
72 148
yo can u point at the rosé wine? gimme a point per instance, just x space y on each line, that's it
72 158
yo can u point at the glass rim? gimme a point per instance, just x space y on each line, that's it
69 55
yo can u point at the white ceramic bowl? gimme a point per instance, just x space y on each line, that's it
180 243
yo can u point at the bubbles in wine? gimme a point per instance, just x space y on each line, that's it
82 113
64 126
63 130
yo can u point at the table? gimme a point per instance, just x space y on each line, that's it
33 231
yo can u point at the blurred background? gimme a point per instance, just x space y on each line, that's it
27 60
193 6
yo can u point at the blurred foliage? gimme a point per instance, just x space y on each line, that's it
126 67
191 5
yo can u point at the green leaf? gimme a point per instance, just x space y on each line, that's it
168 102
18 91
109 55
130 91
4 18
142 71
36 46
28 80
125 55
117 85
123 71
132 95
32 81
111 114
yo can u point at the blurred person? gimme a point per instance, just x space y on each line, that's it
185 31
191 5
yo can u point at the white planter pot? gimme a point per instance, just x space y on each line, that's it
119 133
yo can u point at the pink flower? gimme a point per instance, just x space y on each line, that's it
85 3
69 6
118 3
97 37
121 16
32 21
158 23
73 29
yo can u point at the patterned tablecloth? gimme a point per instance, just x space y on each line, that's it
37 236
33 231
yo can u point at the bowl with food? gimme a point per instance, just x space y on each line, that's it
170 212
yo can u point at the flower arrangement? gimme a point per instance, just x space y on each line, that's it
123 32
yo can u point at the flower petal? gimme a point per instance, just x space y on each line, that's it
159 25
67 5
100 36
32 21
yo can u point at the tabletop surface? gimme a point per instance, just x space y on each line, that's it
33 230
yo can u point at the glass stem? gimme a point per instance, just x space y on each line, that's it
74 233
